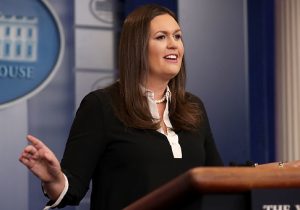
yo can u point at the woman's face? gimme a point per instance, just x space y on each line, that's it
165 49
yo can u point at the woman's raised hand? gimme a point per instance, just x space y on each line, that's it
41 161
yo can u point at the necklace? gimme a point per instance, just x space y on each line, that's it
163 99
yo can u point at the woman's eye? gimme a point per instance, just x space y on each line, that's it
177 36
160 37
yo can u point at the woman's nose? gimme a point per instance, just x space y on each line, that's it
172 42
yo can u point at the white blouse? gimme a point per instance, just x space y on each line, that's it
171 135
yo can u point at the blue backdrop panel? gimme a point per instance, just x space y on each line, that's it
215 36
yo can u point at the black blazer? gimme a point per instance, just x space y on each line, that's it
125 163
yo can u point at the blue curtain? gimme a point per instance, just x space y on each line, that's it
261 79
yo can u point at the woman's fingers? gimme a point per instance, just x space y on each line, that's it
40 160
38 144
43 155
27 160
30 150
24 160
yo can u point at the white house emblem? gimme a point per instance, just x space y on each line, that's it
31 48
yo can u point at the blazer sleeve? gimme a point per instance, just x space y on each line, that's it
84 147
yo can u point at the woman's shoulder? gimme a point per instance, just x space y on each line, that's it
102 95
106 92
190 97
110 89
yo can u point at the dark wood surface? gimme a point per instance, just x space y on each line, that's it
207 180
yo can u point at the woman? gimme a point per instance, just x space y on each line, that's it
136 134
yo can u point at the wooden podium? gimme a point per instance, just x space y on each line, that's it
215 187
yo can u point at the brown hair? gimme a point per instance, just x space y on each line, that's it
133 65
